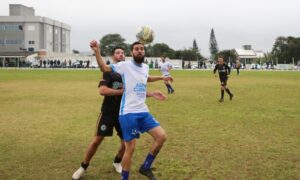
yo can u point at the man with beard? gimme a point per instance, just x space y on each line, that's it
134 116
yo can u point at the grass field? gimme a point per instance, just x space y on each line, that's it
48 117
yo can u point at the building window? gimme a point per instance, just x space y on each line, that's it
11 27
13 42
31 28
30 42
2 27
31 49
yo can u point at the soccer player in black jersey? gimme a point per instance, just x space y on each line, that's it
224 72
112 88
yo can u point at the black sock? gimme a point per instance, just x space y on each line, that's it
171 87
167 85
84 166
227 90
222 94
117 159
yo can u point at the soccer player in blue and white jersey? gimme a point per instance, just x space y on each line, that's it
134 114
165 68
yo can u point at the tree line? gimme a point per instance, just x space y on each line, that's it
109 41
285 49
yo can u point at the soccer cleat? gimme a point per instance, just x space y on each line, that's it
231 96
118 167
221 100
148 173
77 174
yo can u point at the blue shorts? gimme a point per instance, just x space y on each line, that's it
132 124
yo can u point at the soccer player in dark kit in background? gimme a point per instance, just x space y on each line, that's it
224 72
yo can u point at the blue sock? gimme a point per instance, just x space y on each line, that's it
125 175
148 162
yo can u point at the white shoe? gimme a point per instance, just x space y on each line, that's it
118 167
77 174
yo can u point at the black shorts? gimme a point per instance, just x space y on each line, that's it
223 81
106 123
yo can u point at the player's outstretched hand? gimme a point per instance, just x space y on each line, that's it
94 45
168 78
159 95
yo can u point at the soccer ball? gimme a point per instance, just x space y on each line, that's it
145 35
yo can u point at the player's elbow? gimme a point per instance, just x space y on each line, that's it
105 68
103 91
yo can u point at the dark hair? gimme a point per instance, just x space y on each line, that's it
136 43
115 48
220 56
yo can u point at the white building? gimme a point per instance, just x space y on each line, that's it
247 55
22 33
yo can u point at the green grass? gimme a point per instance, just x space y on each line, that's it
48 117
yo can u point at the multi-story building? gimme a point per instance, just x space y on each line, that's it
22 31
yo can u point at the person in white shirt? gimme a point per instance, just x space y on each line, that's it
165 68
134 116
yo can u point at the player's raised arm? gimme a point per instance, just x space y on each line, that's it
96 48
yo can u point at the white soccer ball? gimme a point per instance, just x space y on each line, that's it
145 34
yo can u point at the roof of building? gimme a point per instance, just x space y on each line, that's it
16 54
242 53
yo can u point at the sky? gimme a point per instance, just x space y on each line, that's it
175 22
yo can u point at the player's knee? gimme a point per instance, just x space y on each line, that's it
97 141
129 149
161 138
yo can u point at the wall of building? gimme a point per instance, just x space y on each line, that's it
11 37
20 10
22 31
32 36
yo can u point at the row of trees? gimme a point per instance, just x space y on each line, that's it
285 49
109 41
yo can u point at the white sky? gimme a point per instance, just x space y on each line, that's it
175 22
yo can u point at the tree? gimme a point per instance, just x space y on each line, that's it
195 46
160 49
228 55
188 54
213 45
109 41
286 48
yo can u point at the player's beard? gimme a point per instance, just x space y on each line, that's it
139 58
